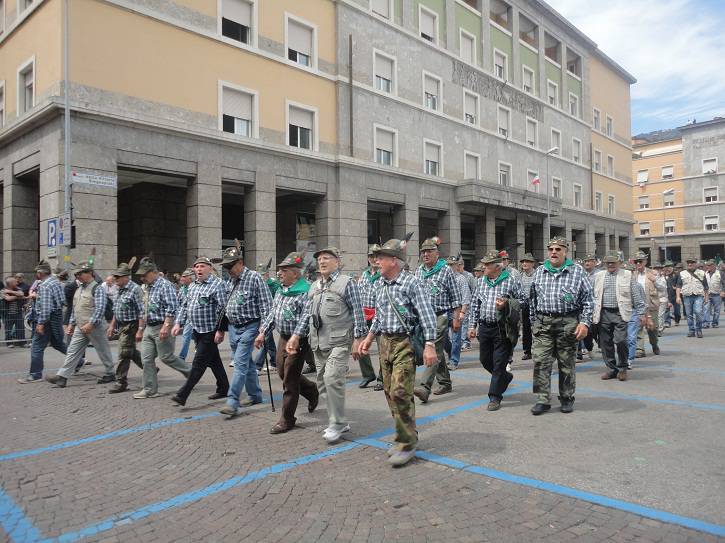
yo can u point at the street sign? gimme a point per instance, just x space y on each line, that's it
53 237
64 232
107 181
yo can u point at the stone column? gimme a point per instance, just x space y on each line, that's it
260 221
480 243
203 212
515 48
490 230
564 89
607 248
449 229
406 219
487 50
20 224
589 239
451 28
542 70
409 17
353 223
520 239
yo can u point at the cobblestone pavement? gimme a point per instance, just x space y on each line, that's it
637 461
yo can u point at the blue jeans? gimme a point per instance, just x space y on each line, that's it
186 340
268 347
712 314
632 331
693 308
456 344
54 335
241 342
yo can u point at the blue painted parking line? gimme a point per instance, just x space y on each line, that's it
15 523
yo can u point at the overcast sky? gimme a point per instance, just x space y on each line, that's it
675 49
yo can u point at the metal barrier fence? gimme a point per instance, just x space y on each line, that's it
15 327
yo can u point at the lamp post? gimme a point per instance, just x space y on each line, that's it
664 222
547 222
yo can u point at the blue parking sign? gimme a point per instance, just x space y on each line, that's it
52 232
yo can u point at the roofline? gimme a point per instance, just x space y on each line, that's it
646 143
703 123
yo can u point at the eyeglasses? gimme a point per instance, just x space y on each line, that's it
556 249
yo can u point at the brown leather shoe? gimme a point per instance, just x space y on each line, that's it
443 390
421 393
608 375
622 375
281 428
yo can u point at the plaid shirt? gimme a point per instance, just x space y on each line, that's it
352 300
526 280
563 292
609 293
410 296
287 315
366 288
442 287
249 297
50 298
160 300
483 306
129 303
202 305
182 293
100 298
463 288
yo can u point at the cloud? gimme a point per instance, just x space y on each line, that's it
675 49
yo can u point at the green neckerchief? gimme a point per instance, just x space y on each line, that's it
371 277
274 285
502 276
300 287
435 269
552 269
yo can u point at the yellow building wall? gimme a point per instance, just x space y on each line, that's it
147 59
622 195
39 36
610 95
622 155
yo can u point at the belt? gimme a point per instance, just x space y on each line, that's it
245 323
125 323
570 313
611 309
490 324
154 323
394 334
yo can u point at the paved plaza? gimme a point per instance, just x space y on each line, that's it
639 460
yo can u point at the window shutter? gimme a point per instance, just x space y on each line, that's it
471 167
238 11
237 104
384 67
431 85
300 117
471 105
384 140
432 152
667 171
466 48
427 24
300 38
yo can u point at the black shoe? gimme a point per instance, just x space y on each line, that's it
567 406
106 379
217 396
365 382
527 356
656 349
540 408
579 356
494 405
699 333
57 380
177 400
312 405
378 387
691 334
120 387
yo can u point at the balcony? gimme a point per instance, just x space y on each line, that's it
476 191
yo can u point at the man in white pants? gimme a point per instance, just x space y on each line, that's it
87 325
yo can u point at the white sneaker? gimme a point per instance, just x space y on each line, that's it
230 411
400 458
145 394
332 434
629 364
508 368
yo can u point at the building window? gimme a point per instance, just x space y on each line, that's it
384 73
432 91
528 80
576 150
610 165
712 223
532 133
573 104
301 128
597 120
669 226
667 172
668 200
428 23
471 165
534 181
300 42
500 63
611 209
500 14
709 166
237 20
552 93
26 87
577 200
644 202
573 63
238 109
610 127
433 155
598 202
504 174
597 160
381 7
710 194
385 146
468 46
644 229
2 16
504 121
642 176
556 188
556 140
470 107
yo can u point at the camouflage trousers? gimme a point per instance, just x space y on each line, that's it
396 362
554 340
127 351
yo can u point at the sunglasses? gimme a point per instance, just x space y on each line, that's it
556 249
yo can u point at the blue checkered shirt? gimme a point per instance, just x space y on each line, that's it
161 301
526 280
100 298
609 293
50 298
352 299
203 304
441 287
249 297
413 302
483 306
563 292
287 315
129 303
463 287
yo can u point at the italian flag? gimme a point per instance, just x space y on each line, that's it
536 180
